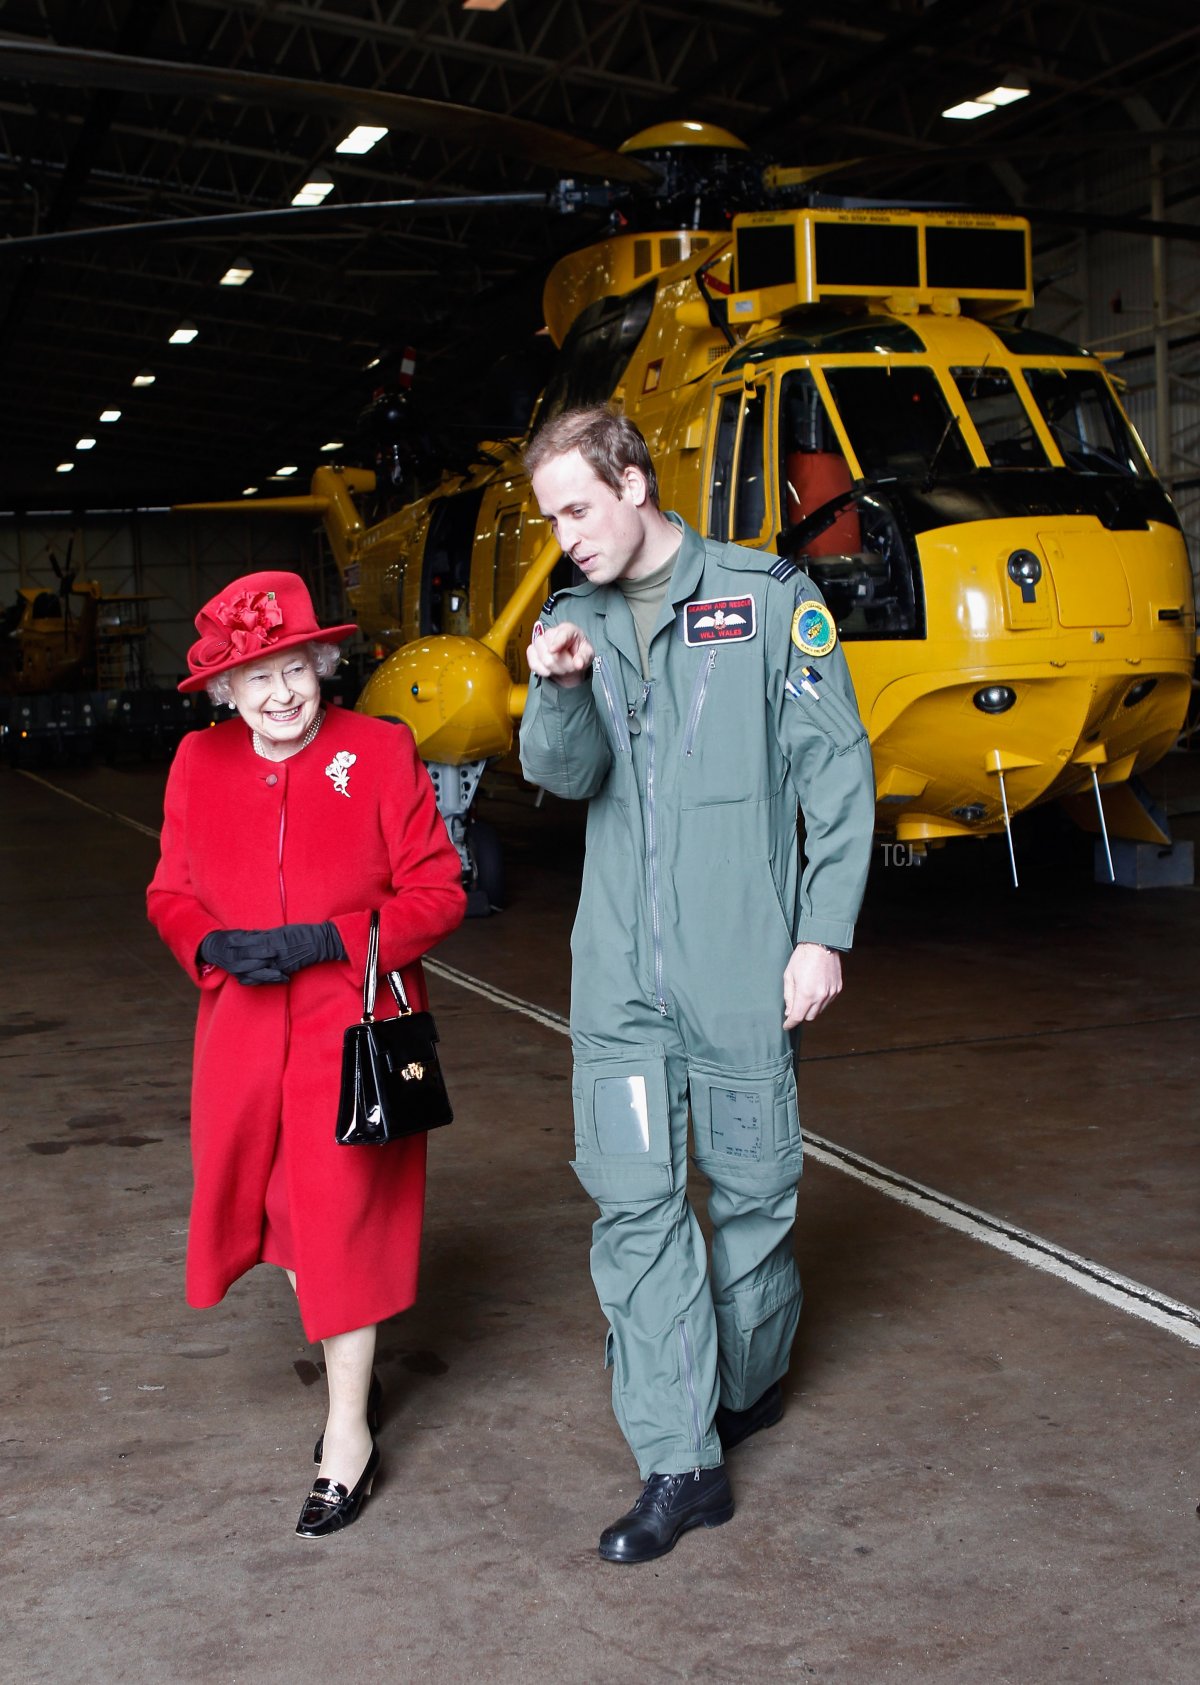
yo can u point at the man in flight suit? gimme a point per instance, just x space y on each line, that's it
693 692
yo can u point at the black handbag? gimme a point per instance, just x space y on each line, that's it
392 1083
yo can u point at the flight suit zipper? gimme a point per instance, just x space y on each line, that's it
689 1385
652 854
699 691
619 724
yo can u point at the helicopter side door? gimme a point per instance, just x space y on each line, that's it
739 502
844 531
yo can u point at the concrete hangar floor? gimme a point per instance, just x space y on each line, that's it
987 1469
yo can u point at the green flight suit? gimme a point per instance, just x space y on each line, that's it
692 901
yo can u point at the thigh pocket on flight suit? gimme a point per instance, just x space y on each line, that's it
746 1126
622 1126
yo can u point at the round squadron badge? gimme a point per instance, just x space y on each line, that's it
813 631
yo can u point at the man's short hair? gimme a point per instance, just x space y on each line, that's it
609 443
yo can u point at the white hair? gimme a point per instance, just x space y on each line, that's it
324 657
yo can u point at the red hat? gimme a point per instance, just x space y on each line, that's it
259 614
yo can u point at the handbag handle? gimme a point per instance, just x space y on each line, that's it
395 981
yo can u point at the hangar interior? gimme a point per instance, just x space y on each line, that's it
986 1469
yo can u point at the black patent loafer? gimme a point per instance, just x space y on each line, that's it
329 1507
374 1409
670 1504
735 1425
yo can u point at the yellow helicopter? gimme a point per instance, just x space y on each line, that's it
855 388
853 385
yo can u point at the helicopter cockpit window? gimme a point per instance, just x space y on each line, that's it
750 504
1087 425
597 348
899 422
446 563
852 546
738 480
722 467
1001 419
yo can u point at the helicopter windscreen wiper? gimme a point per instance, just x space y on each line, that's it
1078 408
927 483
898 421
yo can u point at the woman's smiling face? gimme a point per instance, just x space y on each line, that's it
279 697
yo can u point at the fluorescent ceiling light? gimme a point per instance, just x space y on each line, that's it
236 275
64 468
1006 93
145 378
184 334
373 364
333 444
482 5
282 473
361 140
314 191
249 491
85 444
110 415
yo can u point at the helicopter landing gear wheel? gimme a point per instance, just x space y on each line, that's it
487 861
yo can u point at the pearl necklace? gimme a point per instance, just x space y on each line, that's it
312 731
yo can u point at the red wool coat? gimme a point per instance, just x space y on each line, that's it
247 844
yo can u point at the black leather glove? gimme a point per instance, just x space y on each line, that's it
271 956
248 955
293 946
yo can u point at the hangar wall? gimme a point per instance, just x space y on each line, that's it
179 561
1103 295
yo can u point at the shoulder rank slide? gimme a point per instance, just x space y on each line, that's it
783 569
813 631
548 606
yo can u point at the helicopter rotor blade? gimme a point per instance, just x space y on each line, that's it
1093 223
937 157
286 222
23 59
1050 215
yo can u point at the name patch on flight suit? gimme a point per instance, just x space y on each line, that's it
722 620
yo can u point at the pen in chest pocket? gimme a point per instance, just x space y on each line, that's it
809 680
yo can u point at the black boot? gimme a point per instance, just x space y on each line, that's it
735 1425
668 1506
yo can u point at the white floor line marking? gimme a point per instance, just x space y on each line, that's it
500 997
1120 1291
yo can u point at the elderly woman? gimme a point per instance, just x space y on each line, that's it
283 829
